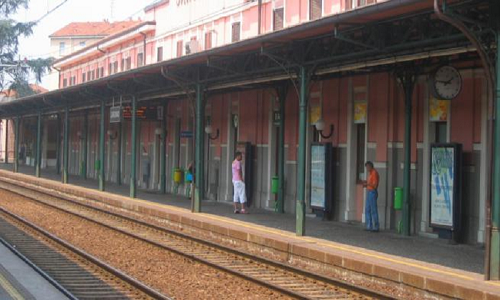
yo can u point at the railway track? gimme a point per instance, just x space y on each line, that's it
283 278
76 274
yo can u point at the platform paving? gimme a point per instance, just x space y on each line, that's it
19 281
431 250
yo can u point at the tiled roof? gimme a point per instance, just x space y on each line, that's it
102 29
12 94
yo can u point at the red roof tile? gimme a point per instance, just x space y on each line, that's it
103 29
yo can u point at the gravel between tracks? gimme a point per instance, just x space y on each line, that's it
169 273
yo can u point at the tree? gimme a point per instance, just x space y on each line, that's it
14 71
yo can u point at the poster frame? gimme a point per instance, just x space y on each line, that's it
327 204
457 187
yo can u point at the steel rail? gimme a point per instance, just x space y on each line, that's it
265 261
115 272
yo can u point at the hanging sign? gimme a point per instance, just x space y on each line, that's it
321 178
186 134
115 114
144 113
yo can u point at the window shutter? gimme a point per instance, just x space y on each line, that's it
140 60
208 40
159 54
315 9
179 48
236 32
278 18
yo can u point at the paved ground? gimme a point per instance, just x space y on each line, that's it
20 281
463 257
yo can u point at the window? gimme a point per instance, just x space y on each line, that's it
115 67
278 15
316 9
278 18
159 54
179 48
72 80
88 76
65 82
128 63
92 75
208 40
62 48
101 69
122 65
140 60
110 69
83 77
360 151
235 35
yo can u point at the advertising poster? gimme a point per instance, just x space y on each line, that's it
360 109
318 182
438 110
442 183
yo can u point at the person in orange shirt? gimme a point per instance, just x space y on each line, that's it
371 210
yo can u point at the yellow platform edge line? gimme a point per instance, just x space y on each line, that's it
9 288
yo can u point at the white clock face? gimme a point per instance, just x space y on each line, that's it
447 83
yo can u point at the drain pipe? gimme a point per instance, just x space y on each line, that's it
490 78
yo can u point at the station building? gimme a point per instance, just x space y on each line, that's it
196 81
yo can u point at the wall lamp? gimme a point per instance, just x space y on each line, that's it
209 130
320 126
112 134
80 135
158 132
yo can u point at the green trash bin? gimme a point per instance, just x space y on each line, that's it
97 165
275 185
398 198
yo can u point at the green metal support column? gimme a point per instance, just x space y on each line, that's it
16 145
407 79
282 92
58 145
66 145
163 151
119 154
102 145
38 159
133 142
495 204
200 155
85 134
300 211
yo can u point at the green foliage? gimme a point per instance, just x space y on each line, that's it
14 71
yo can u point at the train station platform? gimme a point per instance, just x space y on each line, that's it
19 281
336 249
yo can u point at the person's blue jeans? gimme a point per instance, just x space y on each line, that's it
371 211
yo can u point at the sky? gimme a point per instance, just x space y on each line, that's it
38 44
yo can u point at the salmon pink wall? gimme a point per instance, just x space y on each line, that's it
378 113
466 118
291 123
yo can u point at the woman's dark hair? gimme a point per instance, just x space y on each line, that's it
368 163
238 153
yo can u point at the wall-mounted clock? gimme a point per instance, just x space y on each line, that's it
446 83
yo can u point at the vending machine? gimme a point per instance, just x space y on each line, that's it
246 148
446 188
321 176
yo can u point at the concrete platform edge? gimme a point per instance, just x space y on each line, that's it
329 258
